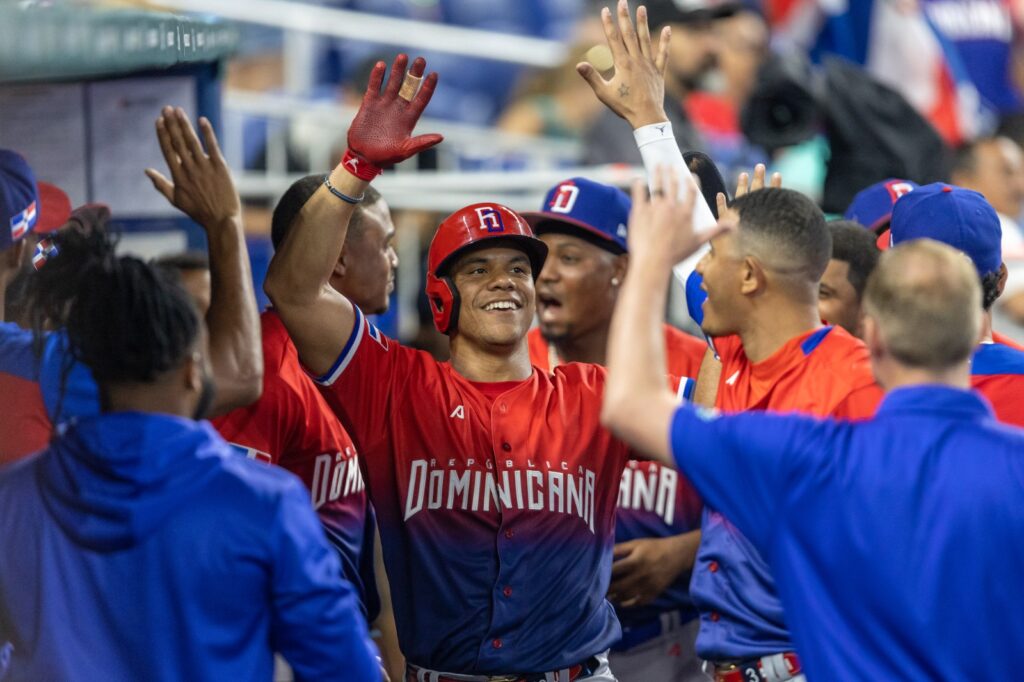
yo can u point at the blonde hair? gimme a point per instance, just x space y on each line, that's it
924 296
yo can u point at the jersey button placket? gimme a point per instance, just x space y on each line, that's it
496 643
507 591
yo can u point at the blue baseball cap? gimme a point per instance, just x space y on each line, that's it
584 208
26 205
872 207
959 217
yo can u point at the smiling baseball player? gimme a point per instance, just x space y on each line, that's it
495 486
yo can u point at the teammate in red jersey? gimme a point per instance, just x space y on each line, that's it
494 484
762 289
657 525
584 225
291 424
963 219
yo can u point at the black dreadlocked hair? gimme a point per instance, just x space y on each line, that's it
125 320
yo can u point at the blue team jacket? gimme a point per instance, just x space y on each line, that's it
138 547
895 543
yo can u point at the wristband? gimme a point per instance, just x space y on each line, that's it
658 149
338 193
359 167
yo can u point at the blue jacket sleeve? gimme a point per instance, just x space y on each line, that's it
317 623
743 465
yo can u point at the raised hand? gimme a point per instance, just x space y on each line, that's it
636 91
381 133
200 185
661 230
744 185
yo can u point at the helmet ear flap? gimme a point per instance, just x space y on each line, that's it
444 302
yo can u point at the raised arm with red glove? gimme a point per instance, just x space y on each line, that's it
318 318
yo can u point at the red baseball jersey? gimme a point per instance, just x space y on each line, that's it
997 372
683 351
292 426
826 372
495 503
655 501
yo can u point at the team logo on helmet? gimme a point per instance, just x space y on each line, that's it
490 219
564 199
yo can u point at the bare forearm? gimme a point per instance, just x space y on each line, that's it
685 549
233 320
706 391
302 266
637 394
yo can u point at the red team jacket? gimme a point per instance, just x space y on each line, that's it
825 372
654 501
496 514
292 426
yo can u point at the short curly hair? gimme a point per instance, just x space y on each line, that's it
990 288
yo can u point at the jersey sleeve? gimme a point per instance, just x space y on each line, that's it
362 380
740 464
317 624
861 403
265 429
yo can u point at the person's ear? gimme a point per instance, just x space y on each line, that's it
752 276
340 265
619 268
1003 275
192 372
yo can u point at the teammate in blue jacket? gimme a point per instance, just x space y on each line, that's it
881 534
137 546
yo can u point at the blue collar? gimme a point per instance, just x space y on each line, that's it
931 398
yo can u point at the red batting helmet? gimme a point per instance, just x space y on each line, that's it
467 228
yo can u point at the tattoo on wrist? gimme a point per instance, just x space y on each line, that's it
623 90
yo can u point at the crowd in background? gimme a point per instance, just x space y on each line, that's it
748 82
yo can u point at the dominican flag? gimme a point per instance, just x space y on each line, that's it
898 44
45 250
22 222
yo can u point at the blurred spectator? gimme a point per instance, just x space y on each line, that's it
994 167
742 46
897 44
987 37
693 52
554 103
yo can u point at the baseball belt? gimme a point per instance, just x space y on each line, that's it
774 668
415 673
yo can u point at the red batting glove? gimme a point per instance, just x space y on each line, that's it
380 133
